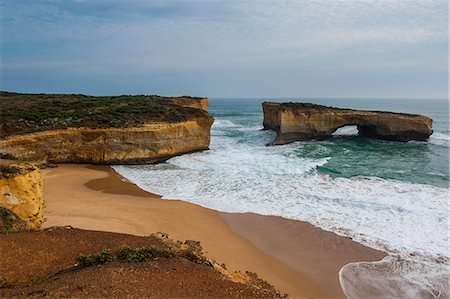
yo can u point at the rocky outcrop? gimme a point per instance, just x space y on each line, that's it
102 130
97 264
10 222
303 121
149 143
21 195
190 102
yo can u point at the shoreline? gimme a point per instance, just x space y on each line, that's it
294 256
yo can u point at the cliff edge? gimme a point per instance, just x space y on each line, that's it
102 130
72 263
304 121
21 196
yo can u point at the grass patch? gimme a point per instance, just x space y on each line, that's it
7 156
10 222
192 257
136 255
8 171
104 256
26 113
125 254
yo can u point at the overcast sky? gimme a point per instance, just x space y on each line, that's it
375 49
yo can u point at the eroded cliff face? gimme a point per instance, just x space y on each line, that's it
190 102
301 121
21 192
102 130
149 143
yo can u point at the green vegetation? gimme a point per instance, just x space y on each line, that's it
307 105
125 254
102 257
26 113
4 284
85 260
192 257
136 255
8 171
7 156
10 222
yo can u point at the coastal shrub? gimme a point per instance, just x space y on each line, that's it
122 254
192 257
104 256
84 260
4 283
25 113
136 255
10 222
9 170
125 254
7 156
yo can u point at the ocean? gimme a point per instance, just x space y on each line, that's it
386 195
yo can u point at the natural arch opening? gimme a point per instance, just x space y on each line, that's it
347 130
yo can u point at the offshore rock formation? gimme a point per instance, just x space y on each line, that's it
102 130
21 196
303 121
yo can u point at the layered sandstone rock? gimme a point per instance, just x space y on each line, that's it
102 130
149 143
191 102
302 121
21 195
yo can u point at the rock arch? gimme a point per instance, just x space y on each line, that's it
303 121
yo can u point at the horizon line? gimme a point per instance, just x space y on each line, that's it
242 97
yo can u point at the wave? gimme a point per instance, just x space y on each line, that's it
346 131
240 174
397 217
438 138
393 277
224 123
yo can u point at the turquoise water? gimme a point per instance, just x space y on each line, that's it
351 155
387 195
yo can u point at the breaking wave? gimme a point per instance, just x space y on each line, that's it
438 138
327 184
393 277
240 174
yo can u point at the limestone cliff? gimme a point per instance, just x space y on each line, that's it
102 130
185 101
149 143
303 121
21 195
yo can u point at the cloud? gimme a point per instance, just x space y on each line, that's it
144 38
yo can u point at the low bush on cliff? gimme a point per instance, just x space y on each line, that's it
8 171
102 257
26 113
136 255
7 156
125 254
10 222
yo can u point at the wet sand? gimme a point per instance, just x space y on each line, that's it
296 257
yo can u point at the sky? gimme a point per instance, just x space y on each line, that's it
230 49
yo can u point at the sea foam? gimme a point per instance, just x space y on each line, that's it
394 277
440 139
240 174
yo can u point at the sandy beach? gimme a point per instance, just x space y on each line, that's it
296 257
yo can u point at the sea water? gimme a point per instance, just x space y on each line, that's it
386 195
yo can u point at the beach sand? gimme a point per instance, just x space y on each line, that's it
294 256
